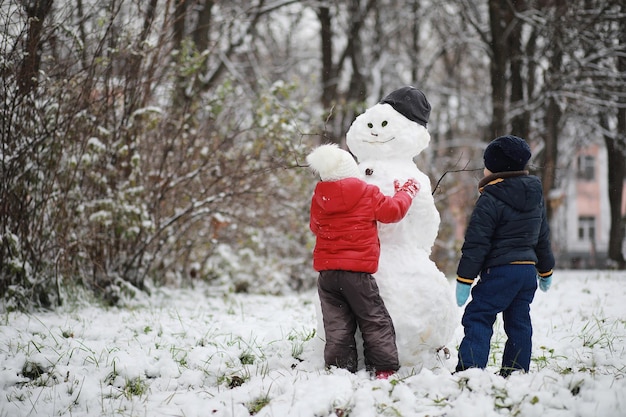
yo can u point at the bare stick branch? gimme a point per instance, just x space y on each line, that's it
454 170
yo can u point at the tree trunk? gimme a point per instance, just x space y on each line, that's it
617 173
37 12
531 74
180 15
203 26
552 118
550 152
329 79
499 60
356 91
519 121
616 149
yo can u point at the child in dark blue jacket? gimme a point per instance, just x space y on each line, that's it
507 242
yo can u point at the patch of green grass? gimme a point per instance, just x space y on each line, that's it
247 358
441 401
298 339
501 399
179 355
232 381
463 383
599 332
32 370
388 410
548 358
498 341
112 376
38 375
135 387
258 403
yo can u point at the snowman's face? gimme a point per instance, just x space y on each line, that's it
382 133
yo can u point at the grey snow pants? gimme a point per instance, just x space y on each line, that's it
349 299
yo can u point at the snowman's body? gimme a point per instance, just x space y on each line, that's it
422 217
418 296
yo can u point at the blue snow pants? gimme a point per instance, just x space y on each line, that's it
508 289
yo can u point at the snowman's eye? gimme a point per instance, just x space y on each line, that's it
384 123
370 125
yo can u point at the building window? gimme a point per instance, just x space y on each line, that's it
586 167
586 228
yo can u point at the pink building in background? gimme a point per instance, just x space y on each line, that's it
581 223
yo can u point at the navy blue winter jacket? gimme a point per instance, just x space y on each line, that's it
508 226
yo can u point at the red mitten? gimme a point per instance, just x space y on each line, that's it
396 186
411 187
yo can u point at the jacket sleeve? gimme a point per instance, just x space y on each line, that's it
391 209
477 242
313 223
545 257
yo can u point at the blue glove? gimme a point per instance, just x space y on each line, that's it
462 293
545 282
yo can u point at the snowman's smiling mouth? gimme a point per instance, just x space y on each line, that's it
379 141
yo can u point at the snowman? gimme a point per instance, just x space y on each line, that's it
385 139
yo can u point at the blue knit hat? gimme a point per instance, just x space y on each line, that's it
507 153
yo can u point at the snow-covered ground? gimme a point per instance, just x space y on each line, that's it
203 353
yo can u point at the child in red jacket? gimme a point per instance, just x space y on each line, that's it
344 215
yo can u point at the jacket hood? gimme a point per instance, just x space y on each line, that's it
341 195
517 189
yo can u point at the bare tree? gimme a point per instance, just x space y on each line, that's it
37 12
340 104
614 134
502 23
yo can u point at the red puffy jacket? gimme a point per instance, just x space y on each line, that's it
344 216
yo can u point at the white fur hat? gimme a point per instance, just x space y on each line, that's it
333 163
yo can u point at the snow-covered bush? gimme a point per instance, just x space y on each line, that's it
115 176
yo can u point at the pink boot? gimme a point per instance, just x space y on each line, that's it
384 374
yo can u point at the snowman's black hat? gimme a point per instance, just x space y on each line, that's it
411 103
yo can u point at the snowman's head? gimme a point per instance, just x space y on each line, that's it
395 128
